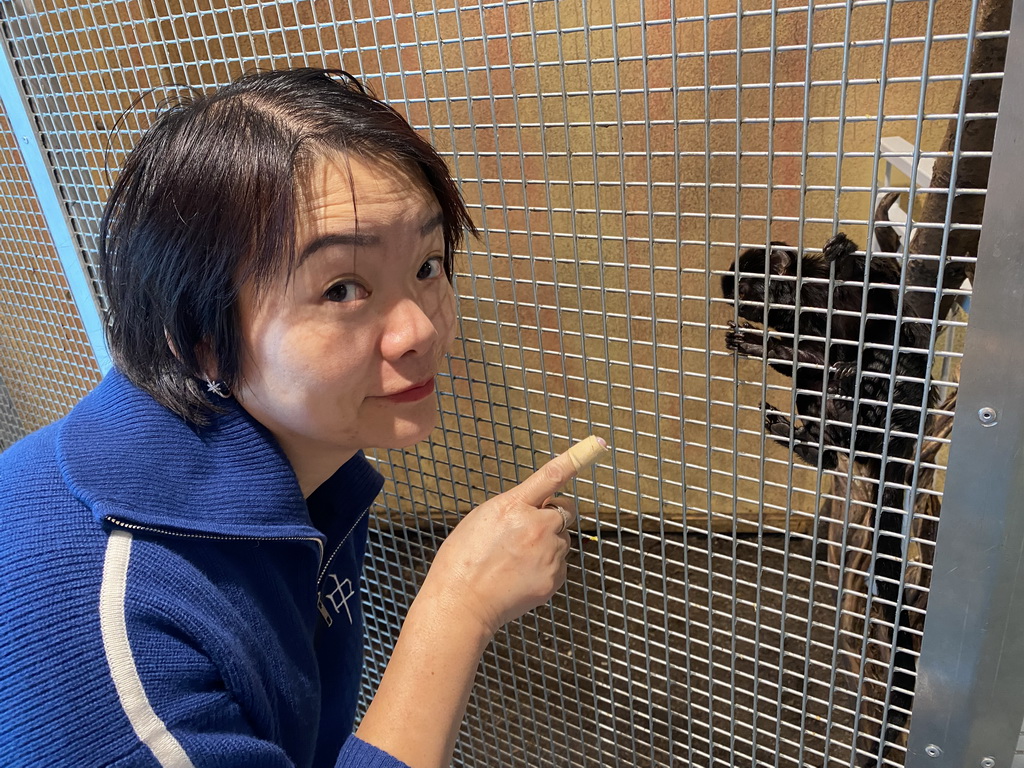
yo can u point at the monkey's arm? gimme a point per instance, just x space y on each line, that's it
876 373
745 339
805 439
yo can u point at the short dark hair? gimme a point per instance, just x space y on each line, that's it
207 201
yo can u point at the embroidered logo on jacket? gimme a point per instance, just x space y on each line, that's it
337 598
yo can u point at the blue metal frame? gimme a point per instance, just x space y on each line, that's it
53 210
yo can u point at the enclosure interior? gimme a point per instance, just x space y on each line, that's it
617 158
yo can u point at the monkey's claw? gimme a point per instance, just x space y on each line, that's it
776 424
840 378
745 339
838 247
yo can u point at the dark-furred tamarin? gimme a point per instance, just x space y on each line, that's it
839 348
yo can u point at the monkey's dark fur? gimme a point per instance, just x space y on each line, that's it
826 381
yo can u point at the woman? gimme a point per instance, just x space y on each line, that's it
181 554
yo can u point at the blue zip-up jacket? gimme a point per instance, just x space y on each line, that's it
168 598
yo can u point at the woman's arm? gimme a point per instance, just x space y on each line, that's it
505 558
422 697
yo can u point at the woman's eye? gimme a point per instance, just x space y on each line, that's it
432 267
349 290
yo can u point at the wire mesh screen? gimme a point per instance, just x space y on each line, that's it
46 363
629 165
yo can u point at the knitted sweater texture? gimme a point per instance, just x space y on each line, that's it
169 598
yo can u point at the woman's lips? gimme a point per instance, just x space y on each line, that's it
412 394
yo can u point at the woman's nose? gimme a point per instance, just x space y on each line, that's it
411 329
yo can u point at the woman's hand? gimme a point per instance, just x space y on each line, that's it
505 558
508 555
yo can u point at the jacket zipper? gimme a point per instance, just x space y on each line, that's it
323 566
327 564
217 536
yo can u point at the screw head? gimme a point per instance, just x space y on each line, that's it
988 762
932 750
988 416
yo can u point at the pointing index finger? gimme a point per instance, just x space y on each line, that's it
547 480
586 452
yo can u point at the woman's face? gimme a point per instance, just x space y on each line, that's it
343 356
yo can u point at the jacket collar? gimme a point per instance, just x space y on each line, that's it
128 458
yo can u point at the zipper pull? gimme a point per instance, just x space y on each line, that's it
323 611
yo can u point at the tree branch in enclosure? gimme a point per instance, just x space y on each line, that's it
980 108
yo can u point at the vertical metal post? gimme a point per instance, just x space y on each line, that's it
969 705
52 208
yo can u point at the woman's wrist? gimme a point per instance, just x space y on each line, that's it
446 611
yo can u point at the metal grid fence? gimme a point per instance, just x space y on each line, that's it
46 362
618 157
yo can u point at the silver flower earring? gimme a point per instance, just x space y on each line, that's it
219 388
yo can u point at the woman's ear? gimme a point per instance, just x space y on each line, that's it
170 345
207 360
204 355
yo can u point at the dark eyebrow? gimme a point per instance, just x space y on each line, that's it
358 239
432 224
336 238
